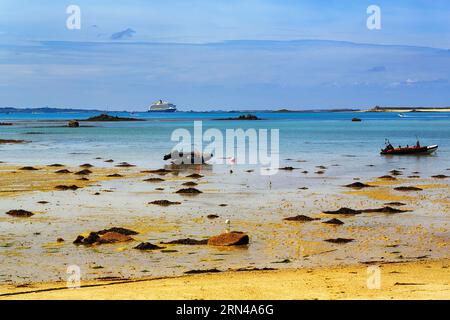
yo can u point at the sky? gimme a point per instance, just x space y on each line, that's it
224 54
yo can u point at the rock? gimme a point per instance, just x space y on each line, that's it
223 205
114 175
396 172
124 231
109 160
387 177
83 172
9 141
202 271
301 218
333 221
303 188
189 191
242 117
59 240
154 180
55 165
43 202
73 124
160 171
164 203
385 210
20 213
107 118
233 238
83 179
339 240
358 185
413 177
125 165
113 237
190 184
321 167
86 165
408 188
395 204
187 241
65 188
344 210
440 176
356 120
287 168
320 172
147 246
78 240
62 171
195 176
6 124
28 168
212 216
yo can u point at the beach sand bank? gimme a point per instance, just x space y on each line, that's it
413 280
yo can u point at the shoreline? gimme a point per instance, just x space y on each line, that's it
407 280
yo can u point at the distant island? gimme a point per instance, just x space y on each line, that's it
408 109
45 110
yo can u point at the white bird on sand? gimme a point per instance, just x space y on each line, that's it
228 223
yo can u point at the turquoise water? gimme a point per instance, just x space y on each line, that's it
319 138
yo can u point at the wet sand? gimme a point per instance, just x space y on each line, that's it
418 280
257 205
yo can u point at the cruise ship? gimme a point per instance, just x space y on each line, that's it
162 106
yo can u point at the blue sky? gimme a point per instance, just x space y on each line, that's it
219 54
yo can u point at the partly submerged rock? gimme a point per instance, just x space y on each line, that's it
339 240
164 203
187 241
384 210
387 177
195 176
287 168
202 271
154 180
114 175
189 191
358 185
56 165
396 172
395 204
440 176
125 165
333 221
408 188
212 216
65 188
356 120
107 118
113 237
147 246
86 165
234 238
124 231
9 141
83 172
28 168
20 213
73 124
190 184
343 210
301 218
63 171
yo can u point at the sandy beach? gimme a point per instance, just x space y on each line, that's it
414 280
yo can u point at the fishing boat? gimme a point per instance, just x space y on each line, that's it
415 149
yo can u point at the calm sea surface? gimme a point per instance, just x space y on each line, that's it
321 138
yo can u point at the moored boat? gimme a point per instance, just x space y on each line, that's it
416 149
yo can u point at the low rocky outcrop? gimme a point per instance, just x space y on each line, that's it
107 118
189 191
73 124
147 246
344 210
339 240
164 203
358 185
234 238
301 218
333 221
187 241
112 235
20 213
408 188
